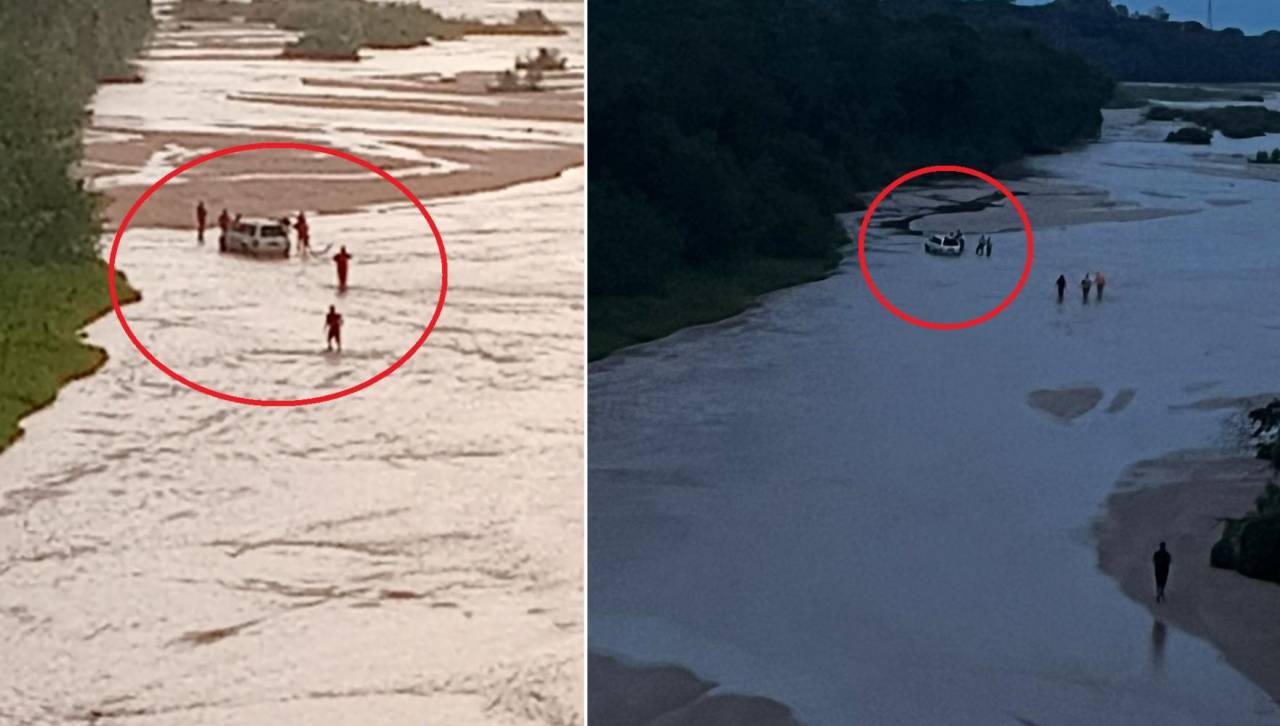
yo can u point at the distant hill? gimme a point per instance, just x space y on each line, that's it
1130 47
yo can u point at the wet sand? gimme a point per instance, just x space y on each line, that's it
301 181
1180 499
628 694
1065 404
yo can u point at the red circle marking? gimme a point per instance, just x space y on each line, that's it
866 222
124 224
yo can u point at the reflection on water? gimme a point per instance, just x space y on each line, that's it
1158 635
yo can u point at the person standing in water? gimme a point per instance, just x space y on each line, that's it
988 248
304 234
1100 282
1062 286
341 260
202 217
224 223
333 326
1085 284
1162 560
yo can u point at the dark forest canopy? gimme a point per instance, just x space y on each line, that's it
1132 46
53 52
726 129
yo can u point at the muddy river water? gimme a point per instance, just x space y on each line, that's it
413 551
871 523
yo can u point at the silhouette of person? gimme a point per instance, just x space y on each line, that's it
224 223
988 248
1100 282
333 324
341 260
1062 286
1161 559
1085 284
202 217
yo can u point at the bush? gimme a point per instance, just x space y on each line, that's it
1190 135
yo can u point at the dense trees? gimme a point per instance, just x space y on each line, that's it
726 129
1130 45
53 52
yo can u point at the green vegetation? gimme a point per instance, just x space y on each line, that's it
1250 545
41 313
339 24
52 51
726 134
1235 122
334 28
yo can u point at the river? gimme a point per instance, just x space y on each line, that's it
865 520
411 550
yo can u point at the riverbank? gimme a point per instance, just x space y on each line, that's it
1181 499
696 298
44 309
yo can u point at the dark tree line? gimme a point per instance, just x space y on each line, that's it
1130 46
721 129
53 52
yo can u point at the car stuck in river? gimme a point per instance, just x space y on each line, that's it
256 237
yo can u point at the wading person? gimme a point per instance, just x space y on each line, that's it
982 246
1085 284
1062 286
1099 282
202 218
1161 559
304 234
988 248
333 328
224 222
341 260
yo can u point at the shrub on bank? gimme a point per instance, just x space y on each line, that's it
1235 122
1190 135
1250 545
376 25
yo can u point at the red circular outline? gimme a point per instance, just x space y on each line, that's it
124 224
866 222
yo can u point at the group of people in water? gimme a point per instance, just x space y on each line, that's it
1096 282
333 320
984 246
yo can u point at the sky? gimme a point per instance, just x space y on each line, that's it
1251 16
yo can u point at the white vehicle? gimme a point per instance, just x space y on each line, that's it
950 244
256 237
